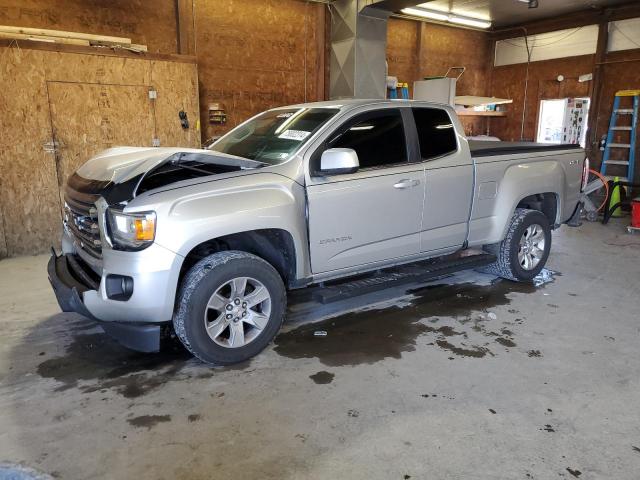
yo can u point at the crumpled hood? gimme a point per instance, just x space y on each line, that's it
116 173
120 164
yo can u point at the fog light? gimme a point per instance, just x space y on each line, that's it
119 287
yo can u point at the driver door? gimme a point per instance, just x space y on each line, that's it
372 215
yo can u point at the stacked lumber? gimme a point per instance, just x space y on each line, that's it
69 38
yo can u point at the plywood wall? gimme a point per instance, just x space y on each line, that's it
87 102
620 72
28 180
257 54
402 50
509 82
416 50
149 22
3 240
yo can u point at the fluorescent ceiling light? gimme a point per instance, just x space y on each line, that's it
469 21
426 14
443 17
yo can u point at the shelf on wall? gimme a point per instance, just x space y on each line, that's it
472 113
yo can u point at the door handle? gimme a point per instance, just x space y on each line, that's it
406 183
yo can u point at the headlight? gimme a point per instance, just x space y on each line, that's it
131 230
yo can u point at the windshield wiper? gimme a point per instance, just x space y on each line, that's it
223 159
177 163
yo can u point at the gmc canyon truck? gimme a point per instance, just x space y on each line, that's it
211 240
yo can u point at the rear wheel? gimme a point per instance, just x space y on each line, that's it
525 249
231 305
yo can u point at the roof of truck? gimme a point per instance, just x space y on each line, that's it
358 102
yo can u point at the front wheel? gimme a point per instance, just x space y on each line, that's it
231 305
525 249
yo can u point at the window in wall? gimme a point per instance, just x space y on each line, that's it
378 139
435 132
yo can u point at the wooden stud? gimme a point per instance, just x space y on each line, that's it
66 35
44 39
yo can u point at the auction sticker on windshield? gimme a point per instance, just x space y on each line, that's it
298 135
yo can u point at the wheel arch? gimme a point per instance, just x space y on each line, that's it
274 245
547 203
537 185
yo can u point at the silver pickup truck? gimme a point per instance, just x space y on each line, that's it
211 240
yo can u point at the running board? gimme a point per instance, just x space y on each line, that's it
420 272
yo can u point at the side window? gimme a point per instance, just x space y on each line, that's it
435 132
377 138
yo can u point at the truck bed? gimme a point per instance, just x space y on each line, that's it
481 148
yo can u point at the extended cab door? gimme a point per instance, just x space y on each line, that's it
371 215
449 176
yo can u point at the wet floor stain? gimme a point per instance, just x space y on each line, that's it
366 337
95 362
507 342
463 351
353 339
322 378
149 421
574 472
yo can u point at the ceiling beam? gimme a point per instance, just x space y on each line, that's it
569 20
391 5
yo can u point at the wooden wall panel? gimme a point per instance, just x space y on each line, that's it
257 54
179 91
402 50
509 82
620 72
82 68
88 118
444 47
3 240
417 49
92 102
152 23
28 181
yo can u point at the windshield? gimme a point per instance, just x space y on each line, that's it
274 136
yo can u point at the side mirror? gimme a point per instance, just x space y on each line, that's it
336 161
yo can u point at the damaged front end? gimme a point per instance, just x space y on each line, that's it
125 284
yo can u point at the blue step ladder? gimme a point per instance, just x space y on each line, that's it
614 127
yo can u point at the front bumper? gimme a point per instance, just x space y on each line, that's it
71 283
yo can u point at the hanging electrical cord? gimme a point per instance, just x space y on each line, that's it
526 83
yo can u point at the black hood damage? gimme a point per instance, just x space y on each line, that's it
176 168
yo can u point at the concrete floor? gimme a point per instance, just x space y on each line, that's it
468 379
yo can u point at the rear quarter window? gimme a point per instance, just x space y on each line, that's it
436 133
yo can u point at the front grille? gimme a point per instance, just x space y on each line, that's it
81 221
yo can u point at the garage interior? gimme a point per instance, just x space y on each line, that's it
466 376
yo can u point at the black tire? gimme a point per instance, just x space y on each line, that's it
507 264
202 281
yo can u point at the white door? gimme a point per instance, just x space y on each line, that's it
551 120
371 215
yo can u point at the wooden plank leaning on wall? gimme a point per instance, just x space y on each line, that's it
29 196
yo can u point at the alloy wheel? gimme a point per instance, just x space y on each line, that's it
237 312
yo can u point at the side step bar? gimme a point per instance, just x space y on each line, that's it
420 272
